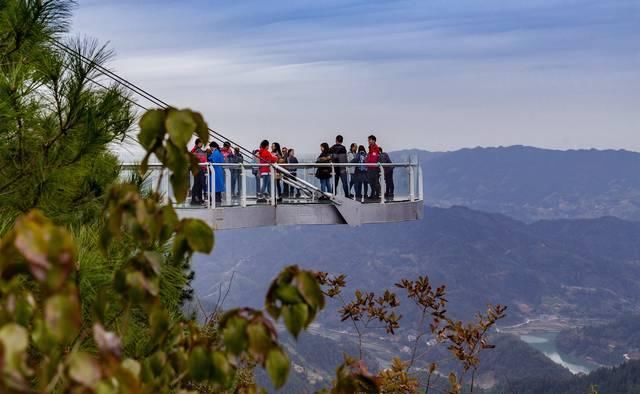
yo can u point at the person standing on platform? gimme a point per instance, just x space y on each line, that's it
388 174
339 156
373 171
360 175
324 172
266 159
236 158
199 179
353 151
216 157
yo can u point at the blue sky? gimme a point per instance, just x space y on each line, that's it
437 75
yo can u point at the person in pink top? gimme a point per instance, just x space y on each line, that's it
226 151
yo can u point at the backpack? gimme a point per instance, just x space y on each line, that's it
362 158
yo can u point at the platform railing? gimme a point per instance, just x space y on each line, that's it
290 183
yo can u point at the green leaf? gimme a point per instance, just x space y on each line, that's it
222 371
181 126
15 340
199 235
152 128
200 364
62 317
234 334
310 289
288 294
154 259
277 365
202 129
295 317
140 286
160 324
84 369
259 340
180 185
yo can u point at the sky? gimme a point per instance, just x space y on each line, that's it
430 74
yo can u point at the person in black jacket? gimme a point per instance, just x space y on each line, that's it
339 155
388 174
324 172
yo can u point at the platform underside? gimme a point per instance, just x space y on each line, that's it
228 218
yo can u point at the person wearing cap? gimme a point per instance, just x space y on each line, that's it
218 172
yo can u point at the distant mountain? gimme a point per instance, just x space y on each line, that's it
588 268
531 183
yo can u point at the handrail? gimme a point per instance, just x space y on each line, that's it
285 165
295 177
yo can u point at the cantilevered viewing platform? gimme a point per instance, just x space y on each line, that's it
304 203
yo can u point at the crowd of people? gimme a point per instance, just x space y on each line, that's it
360 180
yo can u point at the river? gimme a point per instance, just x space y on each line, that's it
546 343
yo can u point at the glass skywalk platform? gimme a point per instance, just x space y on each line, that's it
300 200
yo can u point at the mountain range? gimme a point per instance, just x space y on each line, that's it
531 183
550 234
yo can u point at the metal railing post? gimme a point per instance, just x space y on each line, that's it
420 184
211 175
243 186
227 185
273 186
383 184
333 183
412 184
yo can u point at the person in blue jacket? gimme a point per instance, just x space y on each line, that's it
215 156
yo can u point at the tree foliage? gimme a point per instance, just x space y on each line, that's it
56 124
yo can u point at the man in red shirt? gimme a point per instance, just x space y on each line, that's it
373 171
266 158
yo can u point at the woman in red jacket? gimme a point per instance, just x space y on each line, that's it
266 158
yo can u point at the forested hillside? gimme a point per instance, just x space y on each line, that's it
624 379
573 268
605 344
